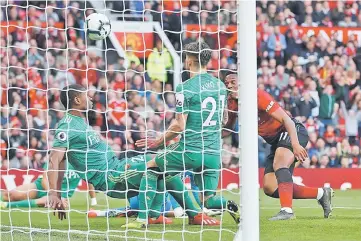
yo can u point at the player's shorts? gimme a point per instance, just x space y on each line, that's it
206 167
122 182
284 140
42 193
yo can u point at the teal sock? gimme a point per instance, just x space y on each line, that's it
22 204
216 202
147 191
175 183
158 200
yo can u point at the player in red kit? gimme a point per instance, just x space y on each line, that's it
288 139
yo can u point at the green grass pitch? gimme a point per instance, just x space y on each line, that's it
309 225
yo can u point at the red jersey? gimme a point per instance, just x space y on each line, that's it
268 127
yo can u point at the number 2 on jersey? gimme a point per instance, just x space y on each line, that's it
209 121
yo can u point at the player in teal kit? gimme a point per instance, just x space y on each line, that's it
34 194
199 118
76 142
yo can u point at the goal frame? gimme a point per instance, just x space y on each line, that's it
247 116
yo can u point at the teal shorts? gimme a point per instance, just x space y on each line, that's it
122 182
42 193
206 167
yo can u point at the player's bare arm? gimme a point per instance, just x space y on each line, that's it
176 128
55 176
229 123
281 116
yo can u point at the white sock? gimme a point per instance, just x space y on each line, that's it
289 210
93 201
142 220
320 193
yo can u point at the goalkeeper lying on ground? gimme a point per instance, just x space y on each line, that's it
35 194
95 161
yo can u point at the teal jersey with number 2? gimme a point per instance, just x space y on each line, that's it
203 98
86 151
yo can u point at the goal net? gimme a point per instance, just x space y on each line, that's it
131 77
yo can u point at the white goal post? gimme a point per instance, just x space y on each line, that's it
247 88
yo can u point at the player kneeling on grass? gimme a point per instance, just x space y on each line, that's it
199 117
288 139
35 194
76 143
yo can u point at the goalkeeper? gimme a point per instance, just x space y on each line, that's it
35 194
94 160
200 109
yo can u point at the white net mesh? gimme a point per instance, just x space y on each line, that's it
132 77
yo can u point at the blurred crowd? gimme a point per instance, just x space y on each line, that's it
315 79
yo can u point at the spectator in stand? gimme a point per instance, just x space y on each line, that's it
288 103
330 136
276 44
322 149
355 157
294 43
273 89
131 57
312 89
158 63
282 79
309 22
348 21
327 106
272 15
309 55
324 161
305 105
334 160
351 122
338 13
318 15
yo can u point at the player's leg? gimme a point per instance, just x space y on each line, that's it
26 191
172 162
92 194
194 188
283 159
281 163
156 214
22 196
207 180
322 195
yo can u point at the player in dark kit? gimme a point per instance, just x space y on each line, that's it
288 139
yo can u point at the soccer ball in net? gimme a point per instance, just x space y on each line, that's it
97 26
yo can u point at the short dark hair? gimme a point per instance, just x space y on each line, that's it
225 72
68 94
199 50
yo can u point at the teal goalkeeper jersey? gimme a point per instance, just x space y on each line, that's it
86 151
203 98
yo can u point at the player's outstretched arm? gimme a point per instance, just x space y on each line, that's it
298 150
55 175
175 129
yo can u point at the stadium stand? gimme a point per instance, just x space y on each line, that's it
314 74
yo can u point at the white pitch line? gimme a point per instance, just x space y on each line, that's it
351 208
87 233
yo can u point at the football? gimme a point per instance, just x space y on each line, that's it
97 26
